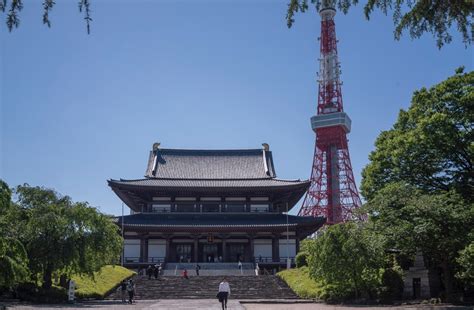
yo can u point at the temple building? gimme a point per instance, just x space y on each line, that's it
211 206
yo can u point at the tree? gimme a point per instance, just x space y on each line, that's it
13 259
347 259
63 237
440 225
418 17
12 8
431 145
466 263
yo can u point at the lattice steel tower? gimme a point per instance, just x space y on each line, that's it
333 191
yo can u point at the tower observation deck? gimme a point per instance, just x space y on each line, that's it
333 191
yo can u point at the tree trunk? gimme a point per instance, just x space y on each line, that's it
355 284
47 278
63 281
448 281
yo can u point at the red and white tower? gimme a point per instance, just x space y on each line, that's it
333 191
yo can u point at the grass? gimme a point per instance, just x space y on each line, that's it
103 282
300 282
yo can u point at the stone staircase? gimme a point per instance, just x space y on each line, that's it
242 287
209 269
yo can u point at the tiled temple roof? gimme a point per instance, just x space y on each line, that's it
241 173
211 183
210 164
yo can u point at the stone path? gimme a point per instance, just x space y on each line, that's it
166 304
212 304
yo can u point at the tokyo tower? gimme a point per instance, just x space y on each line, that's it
333 193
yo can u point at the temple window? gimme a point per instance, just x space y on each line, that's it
235 207
210 207
159 208
258 198
185 207
259 208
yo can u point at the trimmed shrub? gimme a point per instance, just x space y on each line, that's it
30 292
392 286
301 259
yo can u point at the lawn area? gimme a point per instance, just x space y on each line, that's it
102 283
300 282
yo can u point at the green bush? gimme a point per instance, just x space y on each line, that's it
299 281
102 283
31 292
301 259
392 285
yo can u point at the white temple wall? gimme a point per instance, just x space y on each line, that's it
291 246
262 247
132 249
156 249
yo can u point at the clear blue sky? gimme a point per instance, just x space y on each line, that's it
78 109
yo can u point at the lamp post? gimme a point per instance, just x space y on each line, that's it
288 262
123 241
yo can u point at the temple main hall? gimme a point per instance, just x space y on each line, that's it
211 206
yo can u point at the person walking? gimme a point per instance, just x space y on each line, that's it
156 271
131 291
197 269
185 274
123 290
224 293
240 266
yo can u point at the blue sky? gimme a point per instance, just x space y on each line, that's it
78 109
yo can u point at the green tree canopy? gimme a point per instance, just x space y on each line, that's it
466 262
12 9
347 259
13 259
417 17
431 146
440 225
65 237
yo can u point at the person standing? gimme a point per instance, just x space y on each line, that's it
123 290
155 271
149 271
197 269
224 292
131 290
240 266
185 274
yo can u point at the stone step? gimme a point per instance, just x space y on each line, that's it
209 266
220 272
242 287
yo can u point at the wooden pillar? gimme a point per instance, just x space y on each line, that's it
143 249
252 247
196 247
167 254
297 243
276 248
224 248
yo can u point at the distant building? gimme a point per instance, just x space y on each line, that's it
211 205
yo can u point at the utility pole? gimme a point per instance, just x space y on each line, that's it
123 240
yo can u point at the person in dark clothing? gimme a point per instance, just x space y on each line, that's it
155 271
197 269
123 290
130 290
149 271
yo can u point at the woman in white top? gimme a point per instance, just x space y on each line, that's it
224 292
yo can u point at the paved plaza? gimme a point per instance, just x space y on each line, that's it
212 304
